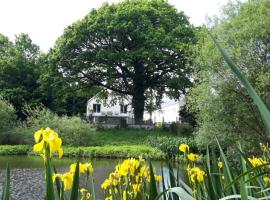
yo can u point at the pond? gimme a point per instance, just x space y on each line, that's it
27 175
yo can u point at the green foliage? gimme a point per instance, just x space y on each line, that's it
123 151
181 129
73 130
133 48
108 151
169 144
224 108
7 116
19 72
48 175
15 149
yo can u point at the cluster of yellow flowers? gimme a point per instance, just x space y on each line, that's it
129 178
195 174
48 140
48 137
67 178
86 195
256 161
185 149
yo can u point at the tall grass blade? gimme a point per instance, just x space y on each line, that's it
243 184
57 183
62 192
226 169
153 193
75 185
261 106
216 174
173 181
237 196
163 183
6 189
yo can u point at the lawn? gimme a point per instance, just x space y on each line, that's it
126 136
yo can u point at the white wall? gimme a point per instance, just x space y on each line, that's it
169 111
110 110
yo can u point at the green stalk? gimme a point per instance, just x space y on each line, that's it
6 192
48 175
153 193
75 185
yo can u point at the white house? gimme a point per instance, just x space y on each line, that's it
168 112
101 111
121 111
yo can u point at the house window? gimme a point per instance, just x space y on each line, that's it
123 108
96 108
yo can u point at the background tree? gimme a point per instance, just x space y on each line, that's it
58 94
19 72
28 79
223 107
129 48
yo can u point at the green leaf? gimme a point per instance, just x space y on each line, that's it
75 185
243 184
153 193
163 182
237 196
6 192
226 169
58 183
253 94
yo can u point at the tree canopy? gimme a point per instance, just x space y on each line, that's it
131 48
28 79
19 71
223 107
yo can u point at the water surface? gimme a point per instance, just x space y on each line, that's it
27 174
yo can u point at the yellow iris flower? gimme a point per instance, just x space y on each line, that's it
44 137
184 148
192 156
256 161
196 174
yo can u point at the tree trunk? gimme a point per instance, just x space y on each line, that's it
138 99
138 102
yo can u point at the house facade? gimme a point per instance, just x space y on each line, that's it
99 112
121 112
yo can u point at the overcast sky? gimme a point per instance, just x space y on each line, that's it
45 20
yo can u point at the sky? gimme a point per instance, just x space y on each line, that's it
45 20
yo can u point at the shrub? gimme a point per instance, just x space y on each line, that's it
73 130
170 144
181 129
8 120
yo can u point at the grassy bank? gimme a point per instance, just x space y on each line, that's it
124 151
113 143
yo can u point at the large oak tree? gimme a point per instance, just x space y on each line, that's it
131 48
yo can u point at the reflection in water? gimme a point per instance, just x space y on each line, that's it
27 175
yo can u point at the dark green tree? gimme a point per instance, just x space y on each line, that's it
19 72
129 48
58 94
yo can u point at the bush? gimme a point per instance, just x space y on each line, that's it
170 144
73 130
8 120
181 129
15 149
